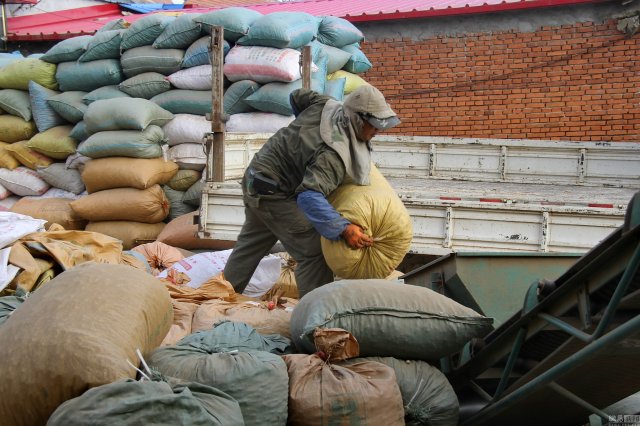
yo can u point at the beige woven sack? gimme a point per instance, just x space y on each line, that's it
83 326
130 233
53 210
122 172
139 205
379 210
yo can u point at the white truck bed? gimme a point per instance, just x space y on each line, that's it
477 194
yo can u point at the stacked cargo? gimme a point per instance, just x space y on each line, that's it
112 126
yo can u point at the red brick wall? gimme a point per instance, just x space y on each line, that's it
574 82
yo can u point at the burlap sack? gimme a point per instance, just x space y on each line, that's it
122 172
182 318
181 232
325 394
53 210
82 326
138 205
276 320
130 233
214 288
286 285
378 209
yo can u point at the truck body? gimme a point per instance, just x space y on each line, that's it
474 194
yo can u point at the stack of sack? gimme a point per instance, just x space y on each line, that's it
173 336
45 140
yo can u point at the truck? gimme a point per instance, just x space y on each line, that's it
510 195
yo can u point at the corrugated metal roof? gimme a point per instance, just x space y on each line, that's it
373 10
73 22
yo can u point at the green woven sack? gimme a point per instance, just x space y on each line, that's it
167 402
258 380
67 50
388 318
44 116
104 92
182 101
235 95
183 179
124 143
16 102
281 30
338 32
358 63
180 33
104 45
236 21
69 105
427 395
88 76
198 52
176 206
145 30
148 59
8 304
124 114
18 74
145 85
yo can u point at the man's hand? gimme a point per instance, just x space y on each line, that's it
355 238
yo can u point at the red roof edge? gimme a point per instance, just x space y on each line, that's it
23 23
485 8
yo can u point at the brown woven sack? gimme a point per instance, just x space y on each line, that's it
130 233
83 326
53 210
182 317
139 205
325 394
181 232
123 172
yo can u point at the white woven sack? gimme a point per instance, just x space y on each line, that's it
14 226
4 193
262 64
195 78
186 128
23 181
7 203
257 122
204 266
58 193
190 156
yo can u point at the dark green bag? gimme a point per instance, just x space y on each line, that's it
130 402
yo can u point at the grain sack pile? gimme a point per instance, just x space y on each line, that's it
105 316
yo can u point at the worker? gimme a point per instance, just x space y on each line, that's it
286 184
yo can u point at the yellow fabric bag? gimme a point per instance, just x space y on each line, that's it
379 211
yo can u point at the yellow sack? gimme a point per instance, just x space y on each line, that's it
27 156
353 81
7 160
379 211
14 129
54 142
16 75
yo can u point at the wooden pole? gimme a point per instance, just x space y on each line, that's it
215 140
305 59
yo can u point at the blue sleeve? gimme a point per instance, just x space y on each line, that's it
322 215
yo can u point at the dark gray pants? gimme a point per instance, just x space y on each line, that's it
266 222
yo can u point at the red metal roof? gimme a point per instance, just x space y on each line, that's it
376 10
73 22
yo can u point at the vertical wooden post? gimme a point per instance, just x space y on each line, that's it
215 140
305 58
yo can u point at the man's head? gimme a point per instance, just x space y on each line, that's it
372 107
